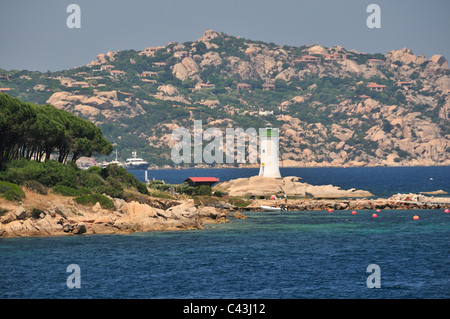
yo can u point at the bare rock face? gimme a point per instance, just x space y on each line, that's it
68 219
169 92
317 49
103 102
187 68
211 58
439 60
404 56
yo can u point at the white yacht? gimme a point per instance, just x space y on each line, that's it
116 161
135 162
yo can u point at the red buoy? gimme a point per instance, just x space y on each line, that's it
446 211
353 212
374 215
330 210
416 217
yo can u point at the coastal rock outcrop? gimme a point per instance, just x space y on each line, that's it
290 185
62 216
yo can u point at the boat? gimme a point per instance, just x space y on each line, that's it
135 162
272 208
116 162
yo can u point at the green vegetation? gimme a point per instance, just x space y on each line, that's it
11 191
91 199
32 131
69 180
138 124
37 131
36 213
184 188
36 186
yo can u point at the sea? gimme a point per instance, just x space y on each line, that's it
285 255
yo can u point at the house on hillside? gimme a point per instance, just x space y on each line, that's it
107 67
159 64
374 62
149 51
309 58
180 54
199 86
149 81
243 86
80 84
376 87
148 74
268 86
335 57
117 72
404 84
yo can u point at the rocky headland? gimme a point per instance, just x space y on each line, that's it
61 215
342 108
289 185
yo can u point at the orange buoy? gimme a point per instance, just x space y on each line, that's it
353 212
416 217
330 210
446 211
378 210
374 215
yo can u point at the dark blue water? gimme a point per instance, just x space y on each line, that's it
380 181
287 255
269 255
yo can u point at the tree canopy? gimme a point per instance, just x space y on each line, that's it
34 131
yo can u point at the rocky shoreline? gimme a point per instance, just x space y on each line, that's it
400 201
61 216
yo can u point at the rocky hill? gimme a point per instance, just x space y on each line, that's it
334 107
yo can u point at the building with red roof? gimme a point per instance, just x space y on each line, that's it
197 181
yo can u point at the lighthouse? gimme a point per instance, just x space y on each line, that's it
269 152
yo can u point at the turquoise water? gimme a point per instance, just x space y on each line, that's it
269 255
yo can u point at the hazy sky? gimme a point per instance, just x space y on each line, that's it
34 34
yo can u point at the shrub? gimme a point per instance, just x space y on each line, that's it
11 191
36 213
48 174
66 190
36 186
239 202
119 175
92 199
203 190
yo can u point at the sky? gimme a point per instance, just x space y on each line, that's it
34 34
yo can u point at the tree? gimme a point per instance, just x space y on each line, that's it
31 131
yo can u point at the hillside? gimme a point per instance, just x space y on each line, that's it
334 107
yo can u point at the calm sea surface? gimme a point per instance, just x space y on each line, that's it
380 181
269 255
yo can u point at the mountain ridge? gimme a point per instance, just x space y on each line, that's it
334 107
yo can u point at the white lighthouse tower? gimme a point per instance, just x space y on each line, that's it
269 152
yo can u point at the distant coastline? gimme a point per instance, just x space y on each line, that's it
300 166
